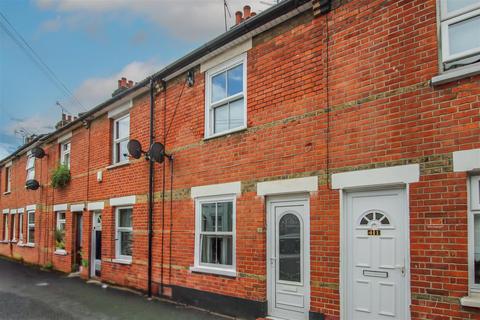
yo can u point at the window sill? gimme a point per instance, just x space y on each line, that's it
30 245
122 261
456 74
20 243
117 165
7 193
60 252
472 300
218 271
4 241
14 241
226 133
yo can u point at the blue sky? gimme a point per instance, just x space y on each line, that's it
90 44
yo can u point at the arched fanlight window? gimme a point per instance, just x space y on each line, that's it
376 218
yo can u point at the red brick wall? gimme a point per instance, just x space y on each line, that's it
358 99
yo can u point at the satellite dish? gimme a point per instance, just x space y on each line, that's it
157 152
32 184
134 149
38 152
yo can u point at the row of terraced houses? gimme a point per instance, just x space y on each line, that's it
320 162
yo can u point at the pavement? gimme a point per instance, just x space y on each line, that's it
30 293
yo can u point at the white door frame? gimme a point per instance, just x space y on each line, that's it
343 244
306 268
93 244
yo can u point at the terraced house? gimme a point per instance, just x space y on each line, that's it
317 161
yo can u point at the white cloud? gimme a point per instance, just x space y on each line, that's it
5 150
188 19
36 124
98 89
51 25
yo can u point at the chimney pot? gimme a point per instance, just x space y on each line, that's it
64 116
253 14
130 83
246 12
119 83
238 17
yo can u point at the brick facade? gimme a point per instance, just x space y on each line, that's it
344 91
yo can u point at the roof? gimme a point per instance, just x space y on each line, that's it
234 33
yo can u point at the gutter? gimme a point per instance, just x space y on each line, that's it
238 31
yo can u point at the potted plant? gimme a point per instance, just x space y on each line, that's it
60 177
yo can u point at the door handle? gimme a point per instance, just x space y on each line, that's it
402 269
272 260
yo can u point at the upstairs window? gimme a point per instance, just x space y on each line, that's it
8 179
121 135
30 167
460 25
474 234
65 154
226 97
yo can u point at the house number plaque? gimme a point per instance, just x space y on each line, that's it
373 232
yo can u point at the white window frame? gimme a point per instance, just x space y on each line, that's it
29 225
119 229
8 179
116 141
5 227
58 224
473 210
20 226
63 153
446 19
30 168
215 268
210 107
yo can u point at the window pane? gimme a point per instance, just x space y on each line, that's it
454 5
125 243
208 217
476 239
224 216
31 234
31 218
125 218
219 87
123 128
236 113
221 118
216 249
289 248
463 35
235 80
122 151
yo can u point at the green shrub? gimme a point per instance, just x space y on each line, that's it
48 266
60 177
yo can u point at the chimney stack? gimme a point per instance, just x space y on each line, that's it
246 12
238 17
66 119
123 84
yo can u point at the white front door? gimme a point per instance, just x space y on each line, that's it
96 259
376 235
288 257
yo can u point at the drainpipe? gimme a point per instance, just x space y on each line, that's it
150 189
